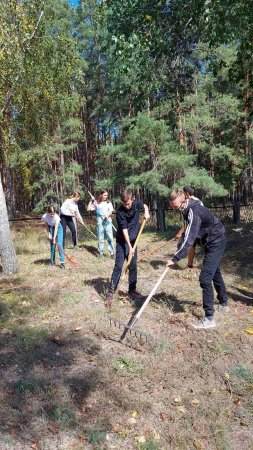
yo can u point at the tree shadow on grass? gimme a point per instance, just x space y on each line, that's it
44 261
35 385
89 248
156 263
170 301
99 284
246 299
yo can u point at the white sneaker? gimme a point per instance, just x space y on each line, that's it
204 324
223 308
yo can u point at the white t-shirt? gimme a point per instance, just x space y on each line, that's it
51 220
69 207
102 208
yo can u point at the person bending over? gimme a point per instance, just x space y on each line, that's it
55 234
203 228
189 193
69 211
127 217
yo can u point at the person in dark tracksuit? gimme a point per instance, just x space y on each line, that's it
203 228
127 217
189 193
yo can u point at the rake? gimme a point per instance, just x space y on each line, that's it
93 198
83 224
129 259
129 326
70 260
156 249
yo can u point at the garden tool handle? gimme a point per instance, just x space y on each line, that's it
139 313
129 259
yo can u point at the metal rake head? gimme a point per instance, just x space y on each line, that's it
127 328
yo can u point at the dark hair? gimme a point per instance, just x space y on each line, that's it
100 194
189 190
126 195
50 209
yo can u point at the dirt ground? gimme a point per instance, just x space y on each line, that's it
66 382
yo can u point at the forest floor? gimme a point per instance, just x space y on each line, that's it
67 383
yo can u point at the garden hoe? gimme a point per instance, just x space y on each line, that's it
129 327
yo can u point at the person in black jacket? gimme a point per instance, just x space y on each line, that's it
127 217
203 228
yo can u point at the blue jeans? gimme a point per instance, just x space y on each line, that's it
59 240
210 273
104 230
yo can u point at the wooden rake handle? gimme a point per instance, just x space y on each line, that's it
67 256
145 304
86 227
155 250
92 197
129 259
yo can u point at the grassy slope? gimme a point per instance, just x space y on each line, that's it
66 383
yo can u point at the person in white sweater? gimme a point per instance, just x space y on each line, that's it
69 211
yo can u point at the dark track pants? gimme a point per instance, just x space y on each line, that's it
68 221
121 255
210 273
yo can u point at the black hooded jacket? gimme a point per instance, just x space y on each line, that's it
202 227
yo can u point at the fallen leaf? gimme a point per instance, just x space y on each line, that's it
177 399
226 376
249 330
251 310
181 409
116 428
140 439
56 340
164 416
77 329
157 437
199 445
195 401
134 413
132 421
34 446
54 427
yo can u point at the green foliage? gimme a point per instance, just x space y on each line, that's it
151 159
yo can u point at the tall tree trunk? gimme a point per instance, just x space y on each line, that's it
7 250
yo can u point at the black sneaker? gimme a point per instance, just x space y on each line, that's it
62 266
